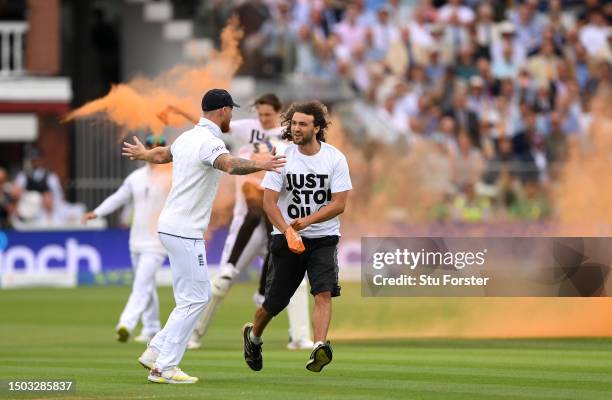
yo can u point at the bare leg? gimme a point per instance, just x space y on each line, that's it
262 317
321 316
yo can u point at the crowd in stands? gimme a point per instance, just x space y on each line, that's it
499 88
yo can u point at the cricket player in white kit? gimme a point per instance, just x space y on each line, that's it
198 156
146 188
250 230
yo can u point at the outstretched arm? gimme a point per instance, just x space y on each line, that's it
241 166
120 198
137 151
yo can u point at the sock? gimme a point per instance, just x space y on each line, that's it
317 344
254 339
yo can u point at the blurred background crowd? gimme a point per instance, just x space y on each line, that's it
497 90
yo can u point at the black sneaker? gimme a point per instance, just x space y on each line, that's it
252 351
320 357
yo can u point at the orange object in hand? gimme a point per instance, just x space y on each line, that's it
294 241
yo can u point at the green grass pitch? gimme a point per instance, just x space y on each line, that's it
68 334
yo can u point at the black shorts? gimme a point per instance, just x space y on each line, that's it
286 270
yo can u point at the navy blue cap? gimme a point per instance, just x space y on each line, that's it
217 98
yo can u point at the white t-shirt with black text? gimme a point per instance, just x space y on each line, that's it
250 138
306 184
249 135
194 181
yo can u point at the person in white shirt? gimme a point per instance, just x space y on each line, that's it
250 229
456 13
593 36
308 196
198 156
146 190
350 31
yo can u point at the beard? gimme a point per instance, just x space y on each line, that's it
225 126
304 139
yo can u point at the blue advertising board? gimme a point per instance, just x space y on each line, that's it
92 257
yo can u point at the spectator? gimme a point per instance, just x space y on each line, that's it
400 11
252 15
508 40
350 32
466 67
543 100
435 68
41 193
556 141
277 40
581 67
7 202
468 206
504 160
331 14
306 59
420 122
37 178
420 36
469 162
397 120
454 13
593 36
601 77
506 66
485 29
529 24
479 101
441 39
544 64
384 32
531 204
446 135
560 21
466 119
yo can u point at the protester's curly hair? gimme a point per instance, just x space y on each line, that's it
314 108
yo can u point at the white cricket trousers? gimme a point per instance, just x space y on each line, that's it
143 301
191 294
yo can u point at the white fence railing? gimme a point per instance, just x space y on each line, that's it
12 35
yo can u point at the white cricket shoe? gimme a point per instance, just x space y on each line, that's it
221 283
143 338
172 375
300 345
148 358
194 344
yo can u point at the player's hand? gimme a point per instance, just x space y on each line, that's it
87 216
270 162
135 151
294 241
299 223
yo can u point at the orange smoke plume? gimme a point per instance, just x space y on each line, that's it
584 195
172 98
